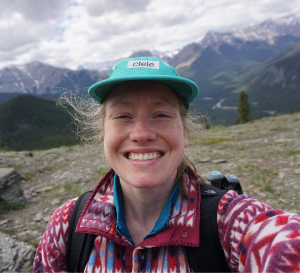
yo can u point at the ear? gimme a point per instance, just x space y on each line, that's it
185 138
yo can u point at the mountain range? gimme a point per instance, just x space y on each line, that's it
44 80
263 60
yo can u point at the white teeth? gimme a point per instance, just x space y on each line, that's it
141 157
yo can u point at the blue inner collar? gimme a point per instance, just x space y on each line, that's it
162 221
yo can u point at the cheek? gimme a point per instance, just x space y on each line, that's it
106 149
109 142
186 139
177 137
112 140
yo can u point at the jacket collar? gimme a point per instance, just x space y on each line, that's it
178 224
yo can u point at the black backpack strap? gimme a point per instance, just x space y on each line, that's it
209 256
79 245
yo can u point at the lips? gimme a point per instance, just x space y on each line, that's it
144 156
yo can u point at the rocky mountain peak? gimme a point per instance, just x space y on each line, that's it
292 19
266 31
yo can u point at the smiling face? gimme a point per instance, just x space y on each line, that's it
144 136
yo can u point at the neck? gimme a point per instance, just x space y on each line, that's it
142 208
144 205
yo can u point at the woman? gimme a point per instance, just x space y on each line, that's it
146 210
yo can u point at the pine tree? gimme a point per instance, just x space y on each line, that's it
243 109
205 122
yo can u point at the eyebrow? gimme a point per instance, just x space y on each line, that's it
121 102
163 103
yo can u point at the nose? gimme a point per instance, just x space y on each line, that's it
142 131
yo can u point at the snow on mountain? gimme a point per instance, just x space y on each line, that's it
265 31
22 78
292 19
38 78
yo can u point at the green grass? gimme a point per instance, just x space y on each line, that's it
240 148
281 128
102 170
31 177
263 177
56 156
71 188
70 148
47 168
9 231
18 166
32 241
28 269
7 206
293 153
210 141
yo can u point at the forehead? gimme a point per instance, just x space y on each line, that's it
142 92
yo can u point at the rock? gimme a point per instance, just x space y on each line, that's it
3 222
15 256
46 210
261 194
38 217
47 218
219 161
283 200
22 234
25 153
205 160
293 211
22 228
297 171
281 175
55 202
231 165
10 186
43 189
22 153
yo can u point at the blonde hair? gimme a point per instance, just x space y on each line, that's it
89 118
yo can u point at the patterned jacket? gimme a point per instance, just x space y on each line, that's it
255 237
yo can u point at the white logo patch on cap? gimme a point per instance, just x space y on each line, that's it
144 64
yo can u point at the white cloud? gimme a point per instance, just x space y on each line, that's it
71 32
98 8
33 10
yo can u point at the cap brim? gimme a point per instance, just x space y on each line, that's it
186 89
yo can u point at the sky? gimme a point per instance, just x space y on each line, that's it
67 33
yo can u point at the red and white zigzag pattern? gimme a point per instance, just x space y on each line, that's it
257 238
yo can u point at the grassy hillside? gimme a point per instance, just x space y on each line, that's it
28 123
275 84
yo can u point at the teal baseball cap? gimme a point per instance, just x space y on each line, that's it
145 68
